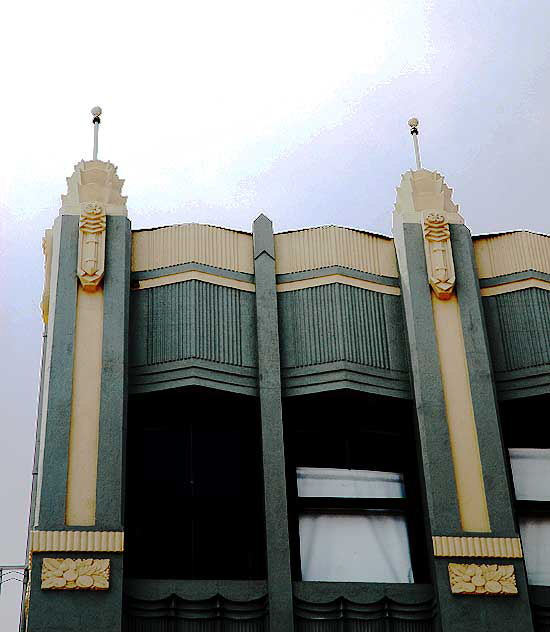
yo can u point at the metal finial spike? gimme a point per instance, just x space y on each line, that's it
413 124
96 113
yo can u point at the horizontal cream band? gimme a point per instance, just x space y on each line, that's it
449 546
514 286
508 253
195 275
326 246
184 243
111 541
337 278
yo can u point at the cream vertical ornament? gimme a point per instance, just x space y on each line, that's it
47 249
91 245
439 255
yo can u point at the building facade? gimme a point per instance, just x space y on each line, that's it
317 430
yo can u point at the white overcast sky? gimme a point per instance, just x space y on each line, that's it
217 111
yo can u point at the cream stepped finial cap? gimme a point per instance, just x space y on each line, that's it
422 192
94 181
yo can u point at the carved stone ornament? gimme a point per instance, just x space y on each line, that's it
439 255
68 574
91 245
482 579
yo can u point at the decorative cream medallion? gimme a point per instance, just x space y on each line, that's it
439 255
68 574
91 246
482 579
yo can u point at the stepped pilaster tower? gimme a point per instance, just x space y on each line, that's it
77 535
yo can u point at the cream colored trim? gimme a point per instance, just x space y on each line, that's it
450 546
52 299
84 431
47 245
338 278
498 255
111 541
327 246
472 502
192 243
514 286
195 275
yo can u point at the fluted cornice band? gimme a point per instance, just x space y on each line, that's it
111 541
450 546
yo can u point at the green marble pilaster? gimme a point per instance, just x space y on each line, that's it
281 616
55 423
114 376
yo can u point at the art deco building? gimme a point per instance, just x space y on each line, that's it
318 430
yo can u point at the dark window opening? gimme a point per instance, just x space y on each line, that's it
354 494
527 439
194 500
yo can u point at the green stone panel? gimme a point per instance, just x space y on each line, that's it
337 322
76 610
58 417
269 374
438 473
192 319
114 376
193 266
205 373
519 329
195 606
518 326
333 607
499 613
482 388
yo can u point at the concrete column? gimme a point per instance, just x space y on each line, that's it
281 615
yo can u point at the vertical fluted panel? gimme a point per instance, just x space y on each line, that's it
334 322
334 246
197 243
512 252
524 319
196 320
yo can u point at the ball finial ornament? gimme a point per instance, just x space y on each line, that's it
413 122
96 111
